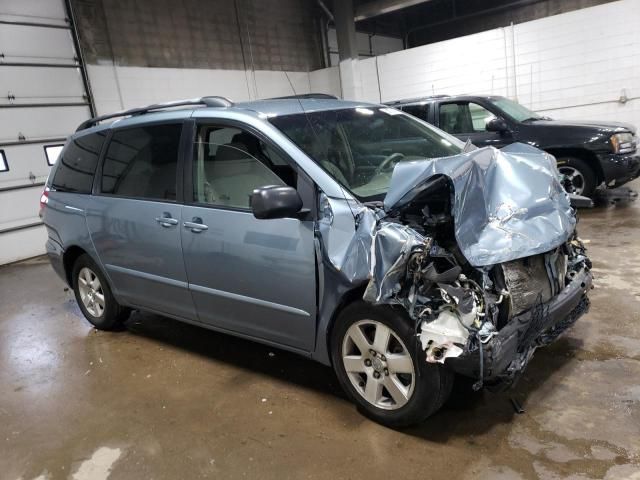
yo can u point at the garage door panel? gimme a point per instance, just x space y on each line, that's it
22 43
40 11
27 164
40 122
41 85
19 207
31 241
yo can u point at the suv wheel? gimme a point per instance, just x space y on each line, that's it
580 173
94 295
376 360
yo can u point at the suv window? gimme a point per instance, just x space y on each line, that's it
230 163
465 117
419 111
76 166
142 162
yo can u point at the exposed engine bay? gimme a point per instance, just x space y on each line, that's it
482 300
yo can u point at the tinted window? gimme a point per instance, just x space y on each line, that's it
419 111
77 163
230 163
142 162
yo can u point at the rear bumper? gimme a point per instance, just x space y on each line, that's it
55 254
619 169
507 354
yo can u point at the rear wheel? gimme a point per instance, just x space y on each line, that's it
378 364
580 173
94 295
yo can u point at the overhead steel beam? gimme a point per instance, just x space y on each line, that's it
380 7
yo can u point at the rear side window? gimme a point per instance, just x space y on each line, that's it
420 111
76 166
142 162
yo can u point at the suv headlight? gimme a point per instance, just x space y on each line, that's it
623 143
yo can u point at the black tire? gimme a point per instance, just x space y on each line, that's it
589 178
113 314
432 382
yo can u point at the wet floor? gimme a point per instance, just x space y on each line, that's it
165 400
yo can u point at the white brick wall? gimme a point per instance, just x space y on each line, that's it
573 65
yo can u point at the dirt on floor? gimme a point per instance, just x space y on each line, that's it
166 400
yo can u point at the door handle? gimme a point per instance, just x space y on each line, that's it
166 220
196 225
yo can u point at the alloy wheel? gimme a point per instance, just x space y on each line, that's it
576 177
91 292
378 364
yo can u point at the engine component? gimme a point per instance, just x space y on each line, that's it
442 337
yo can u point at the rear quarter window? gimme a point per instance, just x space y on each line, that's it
77 164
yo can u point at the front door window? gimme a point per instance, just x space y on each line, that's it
464 118
230 163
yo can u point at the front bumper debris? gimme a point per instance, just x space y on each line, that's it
507 353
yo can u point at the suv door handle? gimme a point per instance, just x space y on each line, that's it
166 220
196 225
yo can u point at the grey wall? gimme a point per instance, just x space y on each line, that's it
212 34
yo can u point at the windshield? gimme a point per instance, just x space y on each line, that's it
360 146
514 109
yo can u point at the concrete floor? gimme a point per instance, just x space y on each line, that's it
167 400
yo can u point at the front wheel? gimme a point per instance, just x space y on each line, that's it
580 173
379 365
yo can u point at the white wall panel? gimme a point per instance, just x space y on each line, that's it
40 11
326 80
40 122
30 240
276 84
41 85
576 64
27 164
20 207
22 43
115 88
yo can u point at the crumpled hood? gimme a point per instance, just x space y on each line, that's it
507 204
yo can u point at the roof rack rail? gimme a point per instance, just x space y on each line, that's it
321 96
206 101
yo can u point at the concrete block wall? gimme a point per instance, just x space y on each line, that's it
572 65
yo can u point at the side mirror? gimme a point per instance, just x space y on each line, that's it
497 124
275 202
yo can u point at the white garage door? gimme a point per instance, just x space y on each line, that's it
44 98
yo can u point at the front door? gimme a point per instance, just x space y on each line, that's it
135 219
467 121
253 277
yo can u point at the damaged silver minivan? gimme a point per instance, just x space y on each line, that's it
351 233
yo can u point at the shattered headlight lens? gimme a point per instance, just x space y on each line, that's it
623 143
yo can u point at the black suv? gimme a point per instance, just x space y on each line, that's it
591 154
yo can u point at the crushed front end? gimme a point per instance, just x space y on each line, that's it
485 323
482 252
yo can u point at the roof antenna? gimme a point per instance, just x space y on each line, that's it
344 193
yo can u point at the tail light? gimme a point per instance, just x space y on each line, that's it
44 199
